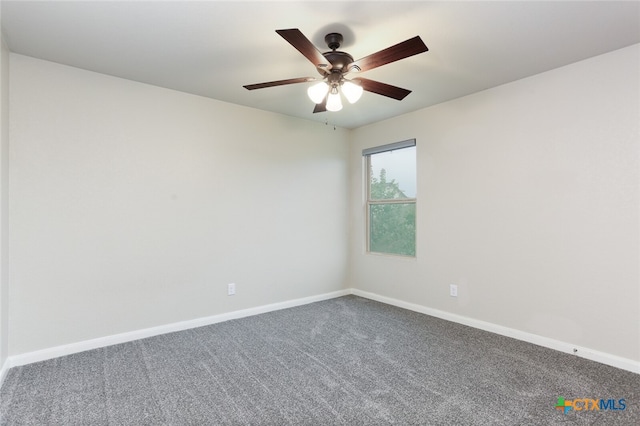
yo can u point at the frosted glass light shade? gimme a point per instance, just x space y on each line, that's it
333 102
317 92
351 91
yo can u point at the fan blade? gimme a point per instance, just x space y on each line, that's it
304 46
407 48
278 83
382 88
321 107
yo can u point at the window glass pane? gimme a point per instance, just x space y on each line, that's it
393 174
392 228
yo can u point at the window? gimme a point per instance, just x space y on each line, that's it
391 198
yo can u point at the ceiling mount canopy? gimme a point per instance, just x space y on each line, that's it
334 65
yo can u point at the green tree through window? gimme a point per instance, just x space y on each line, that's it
391 208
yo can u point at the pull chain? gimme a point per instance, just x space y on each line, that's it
326 123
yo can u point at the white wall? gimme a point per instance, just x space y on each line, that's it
528 201
133 206
4 201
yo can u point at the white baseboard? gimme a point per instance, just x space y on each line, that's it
593 355
49 353
4 369
58 351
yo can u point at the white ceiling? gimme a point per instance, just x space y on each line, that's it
213 48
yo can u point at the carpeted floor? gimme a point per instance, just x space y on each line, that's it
349 361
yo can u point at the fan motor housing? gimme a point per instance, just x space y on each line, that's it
338 60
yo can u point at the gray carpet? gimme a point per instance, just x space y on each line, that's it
345 361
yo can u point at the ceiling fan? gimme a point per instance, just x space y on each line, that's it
334 65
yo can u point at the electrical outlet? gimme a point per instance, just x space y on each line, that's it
231 289
453 290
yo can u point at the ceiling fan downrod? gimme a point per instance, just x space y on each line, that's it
333 40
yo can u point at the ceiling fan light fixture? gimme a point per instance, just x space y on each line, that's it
334 65
317 92
334 103
351 91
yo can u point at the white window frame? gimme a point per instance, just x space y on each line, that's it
367 153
